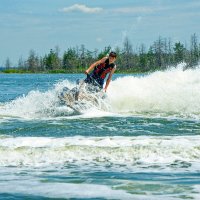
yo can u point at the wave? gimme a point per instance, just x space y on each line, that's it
173 92
152 153
48 105
28 189
37 104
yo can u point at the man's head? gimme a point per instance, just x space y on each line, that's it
112 56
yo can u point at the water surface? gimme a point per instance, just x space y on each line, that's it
146 146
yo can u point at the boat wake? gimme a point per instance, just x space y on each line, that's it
140 152
65 99
170 93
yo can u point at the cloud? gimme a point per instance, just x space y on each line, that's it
134 10
81 8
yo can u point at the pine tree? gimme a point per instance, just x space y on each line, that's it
8 63
179 52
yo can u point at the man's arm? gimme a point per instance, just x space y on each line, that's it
109 78
95 64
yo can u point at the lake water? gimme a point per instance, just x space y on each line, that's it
145 146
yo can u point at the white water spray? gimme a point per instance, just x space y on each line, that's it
173 92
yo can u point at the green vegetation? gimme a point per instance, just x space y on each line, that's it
159 56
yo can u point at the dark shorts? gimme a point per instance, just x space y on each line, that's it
94 80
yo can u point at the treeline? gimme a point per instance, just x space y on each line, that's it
160 55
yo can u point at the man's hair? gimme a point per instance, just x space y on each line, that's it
112 54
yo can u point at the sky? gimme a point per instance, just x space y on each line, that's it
43 24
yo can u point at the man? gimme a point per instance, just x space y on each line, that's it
100 70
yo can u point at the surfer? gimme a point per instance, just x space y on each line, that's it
100 70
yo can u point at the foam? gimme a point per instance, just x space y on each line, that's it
173 92
36 104
140 151
46 105
62 190
170 93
